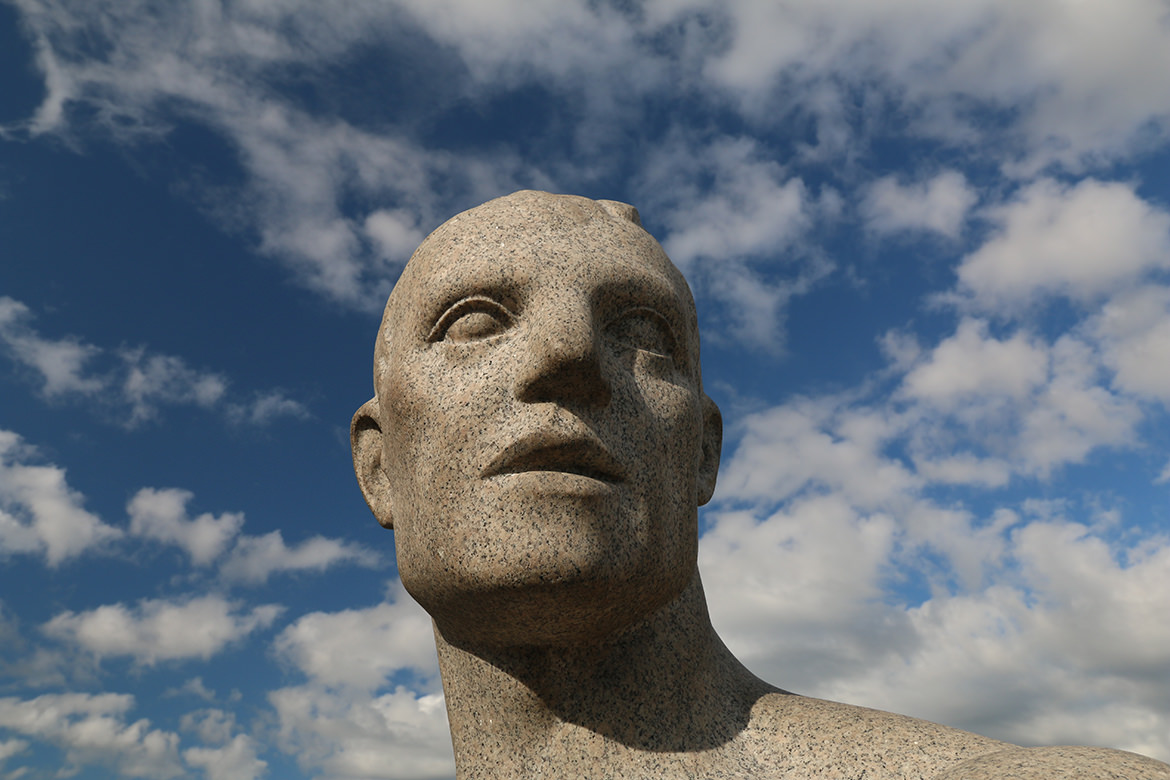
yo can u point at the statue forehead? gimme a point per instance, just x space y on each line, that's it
530 224
542 225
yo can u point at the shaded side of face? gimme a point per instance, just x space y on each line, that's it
544 438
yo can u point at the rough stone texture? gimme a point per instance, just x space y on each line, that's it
540 441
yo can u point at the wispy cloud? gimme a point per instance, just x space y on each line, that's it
1066 85
133 382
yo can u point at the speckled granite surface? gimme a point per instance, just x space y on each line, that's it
540 441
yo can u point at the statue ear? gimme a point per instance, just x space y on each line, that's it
712 446
365 437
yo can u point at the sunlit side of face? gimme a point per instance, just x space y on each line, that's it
542 422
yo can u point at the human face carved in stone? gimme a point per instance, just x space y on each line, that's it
539 437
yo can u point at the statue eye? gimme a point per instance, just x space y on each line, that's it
642 329
471 319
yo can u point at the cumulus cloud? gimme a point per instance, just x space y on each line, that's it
1043 658
161 515
1080 241
343 721
266 407
235 760
732 217
813 567
401 735
752 207
92 729
151 380
157 630
939 205
971 364
361 648
61 363
1019 402
838 564
135 382
1134 332
10 747
1021 623
39 512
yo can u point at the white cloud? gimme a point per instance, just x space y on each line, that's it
751 208
786 450
339 722
1074 75
235 760
158 630
161 515
255 558
729 211
213 726
965 469
796 594
361 648
91 729
1134 330
61 363
400 735
154 379
395 231
1081 241
267 407
939 205
1043 660
39 512
1075 414
134 381
10 747
193 687
971 364
833 567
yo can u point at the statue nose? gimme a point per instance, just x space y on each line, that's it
564 362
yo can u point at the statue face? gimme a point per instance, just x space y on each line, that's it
545 440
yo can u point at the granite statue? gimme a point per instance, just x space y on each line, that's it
540 441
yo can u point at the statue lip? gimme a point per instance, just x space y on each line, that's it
581 455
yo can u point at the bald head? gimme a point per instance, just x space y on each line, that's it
490 237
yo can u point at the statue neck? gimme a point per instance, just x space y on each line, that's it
667 684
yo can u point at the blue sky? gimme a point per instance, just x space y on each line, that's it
929 244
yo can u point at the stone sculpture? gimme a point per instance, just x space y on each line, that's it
540 441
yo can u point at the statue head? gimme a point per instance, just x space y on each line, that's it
539 438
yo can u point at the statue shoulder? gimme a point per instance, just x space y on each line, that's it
800 737
1059 763
807 737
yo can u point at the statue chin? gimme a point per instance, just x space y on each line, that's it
542 610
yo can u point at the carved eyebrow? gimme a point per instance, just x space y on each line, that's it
447 288
469 305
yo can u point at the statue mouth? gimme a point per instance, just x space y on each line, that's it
582 456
